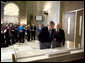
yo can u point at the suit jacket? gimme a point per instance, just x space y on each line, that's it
28 30
33 29
39 29
44 35
60 36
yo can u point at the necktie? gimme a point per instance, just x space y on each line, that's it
57 31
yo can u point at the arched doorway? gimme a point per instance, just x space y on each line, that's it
11 13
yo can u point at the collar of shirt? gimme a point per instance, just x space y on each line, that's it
57 29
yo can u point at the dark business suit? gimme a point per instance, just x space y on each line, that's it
38 30
60 38
16 34
33 32
45 38
28 33
13 35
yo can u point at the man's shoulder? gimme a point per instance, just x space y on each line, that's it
61 30
45 28
54 29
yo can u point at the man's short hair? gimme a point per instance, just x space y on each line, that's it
51 23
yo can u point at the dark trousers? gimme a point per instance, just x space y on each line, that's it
56 44
21 37
13 39
8 42
16 38
32 35
28 37
2 41
45 45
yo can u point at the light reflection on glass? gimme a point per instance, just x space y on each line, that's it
68 25
80 25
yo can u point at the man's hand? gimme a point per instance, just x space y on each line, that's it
54 39
12 30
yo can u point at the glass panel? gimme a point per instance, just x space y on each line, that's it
82 42
80 25
67 44
32 49
68 25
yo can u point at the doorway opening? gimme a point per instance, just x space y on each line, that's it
11 13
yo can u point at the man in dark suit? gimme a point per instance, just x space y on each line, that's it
59 37
33 32
46 35
28 33
13 35
16 33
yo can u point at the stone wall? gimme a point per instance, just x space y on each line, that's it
53 11
29 9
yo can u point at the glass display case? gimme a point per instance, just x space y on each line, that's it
30 51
